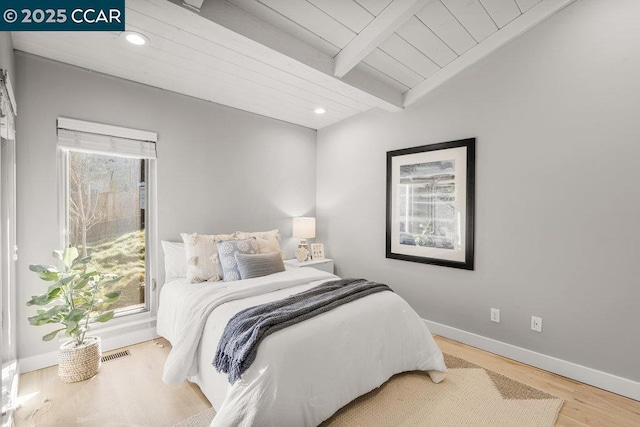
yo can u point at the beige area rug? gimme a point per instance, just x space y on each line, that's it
468 396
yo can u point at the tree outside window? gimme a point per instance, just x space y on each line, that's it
106 218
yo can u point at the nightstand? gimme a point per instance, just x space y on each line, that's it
321 264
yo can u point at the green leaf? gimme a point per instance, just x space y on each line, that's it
89 275
39 320
49 276
66 280
114 294
75 315
41 267
53 287
58 254
45 299
72 327
105 316
111 281
81 261
53 315
82 283
46 272
69 255
51 335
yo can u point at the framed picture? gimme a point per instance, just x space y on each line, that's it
317 251
430 203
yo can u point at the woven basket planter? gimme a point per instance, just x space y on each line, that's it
79 363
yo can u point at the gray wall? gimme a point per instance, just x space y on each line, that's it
556 114
219 169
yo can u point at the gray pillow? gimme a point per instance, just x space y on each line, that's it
227 251
259 264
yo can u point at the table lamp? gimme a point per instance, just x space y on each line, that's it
303 228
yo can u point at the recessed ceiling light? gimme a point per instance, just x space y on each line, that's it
320 110
135 38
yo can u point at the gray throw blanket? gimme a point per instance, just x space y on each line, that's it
238 346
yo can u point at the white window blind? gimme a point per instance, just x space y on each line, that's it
92 137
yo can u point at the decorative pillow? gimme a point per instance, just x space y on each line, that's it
175 263
201 254
268 241
227 252
259 264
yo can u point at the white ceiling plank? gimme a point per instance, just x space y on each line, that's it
403 51
393 68
313 19
189 22
473 16
545 9
420 36
185 82
365 68
196 4
215 68
347 12
501 11
188 47
389 20
446 26
374 6
248 16
525 5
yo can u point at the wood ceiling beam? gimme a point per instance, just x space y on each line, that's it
524 22
242 32
390 19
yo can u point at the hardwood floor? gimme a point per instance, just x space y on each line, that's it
126 392
129 392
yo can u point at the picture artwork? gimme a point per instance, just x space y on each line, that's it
430 204
317 251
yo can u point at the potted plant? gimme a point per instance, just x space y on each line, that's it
77 297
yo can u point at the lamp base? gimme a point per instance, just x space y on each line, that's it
302 253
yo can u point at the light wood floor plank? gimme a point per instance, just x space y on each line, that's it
130 392
126 392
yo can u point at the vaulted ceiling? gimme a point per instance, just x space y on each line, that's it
284 58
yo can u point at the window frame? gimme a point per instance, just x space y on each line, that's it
126 318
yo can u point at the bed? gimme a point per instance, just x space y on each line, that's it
302 374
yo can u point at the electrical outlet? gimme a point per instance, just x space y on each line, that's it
495 315
536 324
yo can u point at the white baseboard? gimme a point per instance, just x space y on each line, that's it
603 380
28 364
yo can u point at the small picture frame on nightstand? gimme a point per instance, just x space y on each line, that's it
317 251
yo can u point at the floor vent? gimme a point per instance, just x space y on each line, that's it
114 356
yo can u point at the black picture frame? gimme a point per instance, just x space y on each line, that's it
431 204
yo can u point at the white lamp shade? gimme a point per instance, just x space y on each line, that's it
304 228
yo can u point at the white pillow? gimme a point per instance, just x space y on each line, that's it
268 241
175 260
201 254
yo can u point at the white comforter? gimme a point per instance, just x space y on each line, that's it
304 373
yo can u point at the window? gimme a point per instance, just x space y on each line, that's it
105 176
